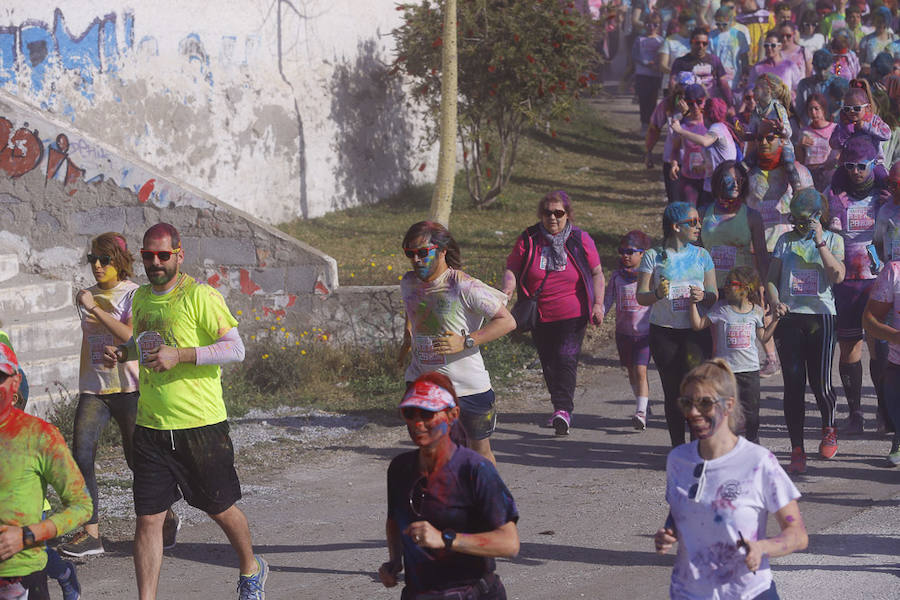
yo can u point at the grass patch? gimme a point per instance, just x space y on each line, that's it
598 164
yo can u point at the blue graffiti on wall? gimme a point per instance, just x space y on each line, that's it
40 47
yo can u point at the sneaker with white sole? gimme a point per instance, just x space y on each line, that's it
561 422
639 420
894 454
82 544
253 587
770 368
828 447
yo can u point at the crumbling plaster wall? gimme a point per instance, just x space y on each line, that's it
282 108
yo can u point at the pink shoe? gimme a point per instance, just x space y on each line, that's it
561 420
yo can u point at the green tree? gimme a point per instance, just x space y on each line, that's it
519 62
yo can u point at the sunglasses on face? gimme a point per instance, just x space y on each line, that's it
738 284
411 413
854 108
104 259
558 213
704 404
417 495
695 222
629 251
770 45
694 102
163 255
420 252
697 488
787 36
849 166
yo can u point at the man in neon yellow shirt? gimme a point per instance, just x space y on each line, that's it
32 454
183 332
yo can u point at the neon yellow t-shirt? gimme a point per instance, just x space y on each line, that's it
190 315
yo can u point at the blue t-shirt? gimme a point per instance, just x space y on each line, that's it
466 495
684 268
803 284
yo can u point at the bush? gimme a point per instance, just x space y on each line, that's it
519 62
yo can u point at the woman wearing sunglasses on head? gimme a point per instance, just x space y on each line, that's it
721 489
670 278
105 311
558 263
448 315
806 263
449 513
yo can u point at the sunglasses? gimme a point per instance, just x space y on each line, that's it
697 488
420 252
162 255
787 36
104 259
704 404
849 166
411 413
629 251
417 495
694 102
770 45
854 108
695 222
558 213
738 284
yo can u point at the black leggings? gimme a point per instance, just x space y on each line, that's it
647 89
559 344
805 346
91 417
748 396
675 352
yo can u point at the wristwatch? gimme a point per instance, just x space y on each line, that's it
448 535
28 537
822 243
470 342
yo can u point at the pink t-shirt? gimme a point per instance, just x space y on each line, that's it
631 318
564 295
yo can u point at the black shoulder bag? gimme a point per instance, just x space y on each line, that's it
525 310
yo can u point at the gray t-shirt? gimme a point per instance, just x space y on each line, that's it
734 336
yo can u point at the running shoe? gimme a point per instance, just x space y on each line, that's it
561 421
854 425
171 527
798 461
894 455
639 420
828 447
82 544
68 583
771 367
253 587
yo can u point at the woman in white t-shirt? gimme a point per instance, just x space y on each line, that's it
721 489
448 315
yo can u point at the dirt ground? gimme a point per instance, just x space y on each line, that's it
589 503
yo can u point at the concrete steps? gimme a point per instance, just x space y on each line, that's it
40 317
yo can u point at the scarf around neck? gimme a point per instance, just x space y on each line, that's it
557 259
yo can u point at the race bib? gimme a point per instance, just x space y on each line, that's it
724 257
680 296
147 341
96 344
543 263
738 336
425 353
859 219
804 282
697 164
627 299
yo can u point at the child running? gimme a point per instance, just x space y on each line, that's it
632 321
737 323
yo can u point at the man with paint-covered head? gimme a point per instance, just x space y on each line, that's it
32 454
183 332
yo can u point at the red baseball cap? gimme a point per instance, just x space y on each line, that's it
427 396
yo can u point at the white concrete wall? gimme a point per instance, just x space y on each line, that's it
280 108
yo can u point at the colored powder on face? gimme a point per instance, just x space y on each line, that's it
426 267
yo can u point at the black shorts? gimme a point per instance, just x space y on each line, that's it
199 462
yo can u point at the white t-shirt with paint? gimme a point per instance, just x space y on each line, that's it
94 377
734 336
738 492
454 302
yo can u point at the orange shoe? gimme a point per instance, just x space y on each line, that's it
828 447
798 461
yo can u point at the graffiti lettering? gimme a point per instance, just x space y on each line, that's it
22 151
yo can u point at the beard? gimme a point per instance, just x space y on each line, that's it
162 274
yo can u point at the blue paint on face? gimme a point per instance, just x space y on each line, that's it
426 267
442 429
729 186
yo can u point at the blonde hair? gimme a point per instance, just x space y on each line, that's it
716 374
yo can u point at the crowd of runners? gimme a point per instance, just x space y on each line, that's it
779 241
